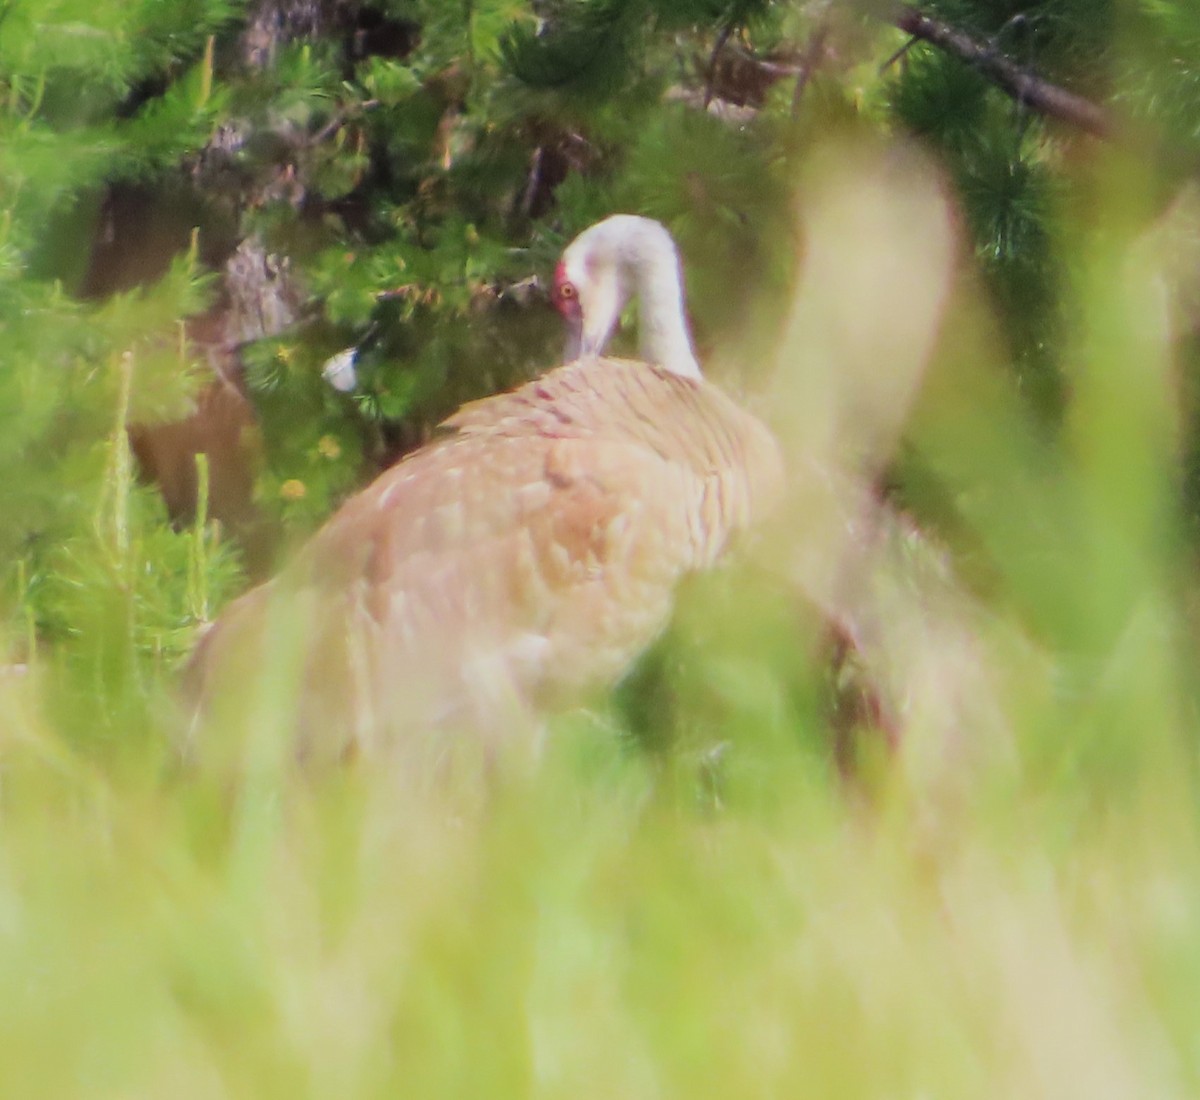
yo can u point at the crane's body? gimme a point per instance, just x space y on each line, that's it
527 555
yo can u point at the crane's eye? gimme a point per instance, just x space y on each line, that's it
567 291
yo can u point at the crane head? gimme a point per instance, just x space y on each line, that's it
625 253
589 290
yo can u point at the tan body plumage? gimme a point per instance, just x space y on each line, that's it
528 554
526 557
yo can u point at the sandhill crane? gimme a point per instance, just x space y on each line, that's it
531 552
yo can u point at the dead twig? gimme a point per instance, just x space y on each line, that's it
898 55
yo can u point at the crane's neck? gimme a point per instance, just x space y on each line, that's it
626 254
663 336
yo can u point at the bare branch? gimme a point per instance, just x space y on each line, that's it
714 57
1025 87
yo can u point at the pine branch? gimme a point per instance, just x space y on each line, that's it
1025 87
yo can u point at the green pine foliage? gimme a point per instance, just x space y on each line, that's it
1158 78
82 547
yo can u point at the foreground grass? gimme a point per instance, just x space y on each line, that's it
588 930
1008 905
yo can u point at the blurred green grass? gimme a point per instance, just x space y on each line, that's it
1008 905
583 934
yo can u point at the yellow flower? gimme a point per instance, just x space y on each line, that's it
329 447
293 489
